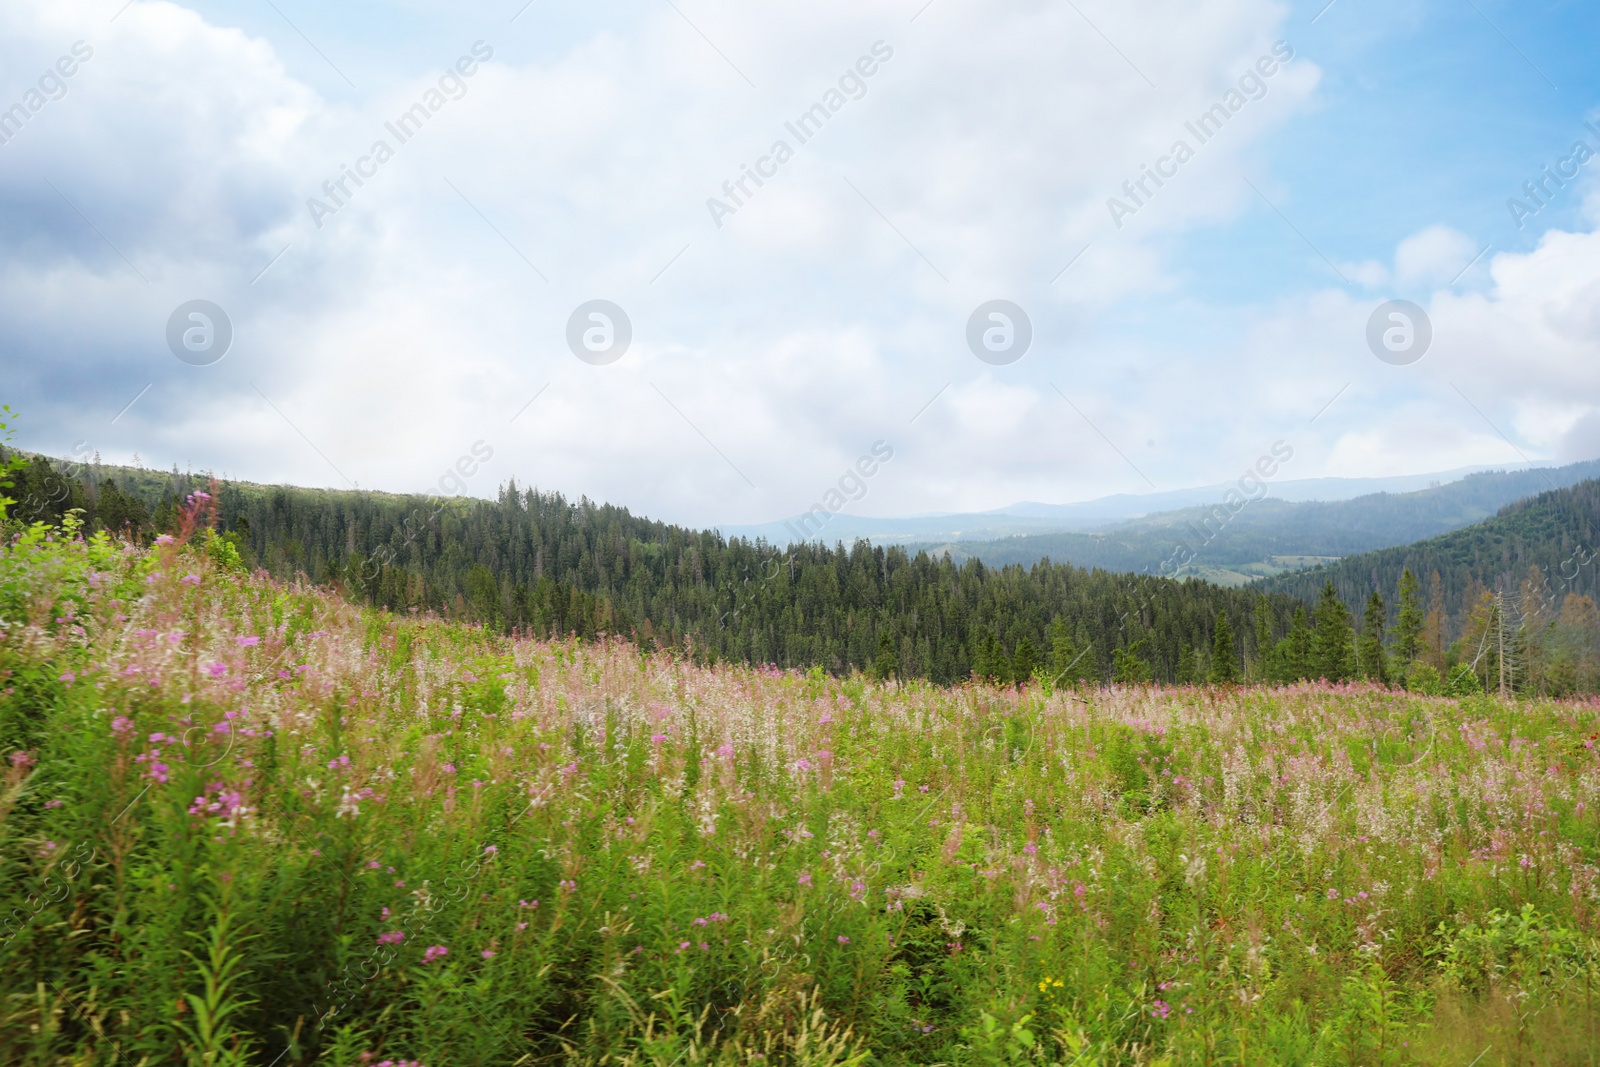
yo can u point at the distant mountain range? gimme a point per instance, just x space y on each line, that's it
1270 536
1555 532
1096 515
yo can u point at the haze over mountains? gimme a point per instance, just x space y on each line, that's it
1534 551
1032 517
1293 525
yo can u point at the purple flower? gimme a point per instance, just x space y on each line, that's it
434 952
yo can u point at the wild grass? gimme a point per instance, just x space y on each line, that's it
248 823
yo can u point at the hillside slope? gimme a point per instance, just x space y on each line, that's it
1552 533
538 562
249 823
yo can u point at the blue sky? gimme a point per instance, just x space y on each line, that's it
831 309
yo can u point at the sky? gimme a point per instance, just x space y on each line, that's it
956 262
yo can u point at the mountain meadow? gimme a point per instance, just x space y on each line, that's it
253 820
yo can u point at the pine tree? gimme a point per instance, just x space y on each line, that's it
990 664
1433 629
1188 665
1003 673
1069 664
1531 637
1224 660
887 665
1129 666
1023 663
1264 647
1408 625
983 666
1297 647
1333 650
1374 665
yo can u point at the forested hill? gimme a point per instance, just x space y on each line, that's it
537 561
1270 528
1554 533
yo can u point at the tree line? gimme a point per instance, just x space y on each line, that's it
536 562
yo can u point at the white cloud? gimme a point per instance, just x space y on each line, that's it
814 322
1432 257
1368 272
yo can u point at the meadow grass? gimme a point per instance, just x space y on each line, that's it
249 823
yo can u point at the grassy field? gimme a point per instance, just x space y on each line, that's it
249 823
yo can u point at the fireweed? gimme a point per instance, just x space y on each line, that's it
344 837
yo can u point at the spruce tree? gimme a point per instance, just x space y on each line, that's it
1003 673
1408 625
887 665
1128 665
1023 663
1374 665
1333 650
1224 660
1264 648
991 664
983 657
1188 665
1063 653
1070 661
1298 653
